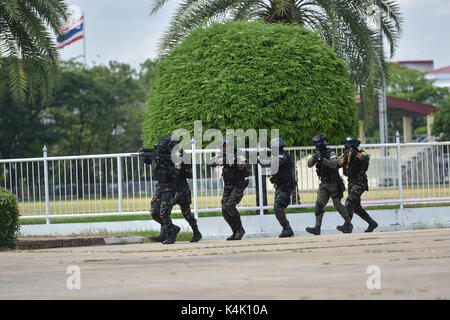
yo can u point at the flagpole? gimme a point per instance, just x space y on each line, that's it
382 109
84 38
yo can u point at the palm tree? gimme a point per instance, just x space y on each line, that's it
26 43
345 25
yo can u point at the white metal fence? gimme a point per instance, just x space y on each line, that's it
120 184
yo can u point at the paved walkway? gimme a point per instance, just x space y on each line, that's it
412 264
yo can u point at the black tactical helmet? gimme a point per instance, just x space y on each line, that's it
277 143
320 140
166 144
351 142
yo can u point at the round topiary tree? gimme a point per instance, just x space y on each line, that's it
253 75
9 219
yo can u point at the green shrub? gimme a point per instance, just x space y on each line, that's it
421 130
9 219
253 75
441 124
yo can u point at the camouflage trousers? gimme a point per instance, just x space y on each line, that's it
183 198
232 195
353 201
161 204
281 202
327 190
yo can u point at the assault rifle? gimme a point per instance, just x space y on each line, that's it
353 150
151 156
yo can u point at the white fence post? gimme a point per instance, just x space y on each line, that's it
194 178
119 183
260 190
399 169
47 197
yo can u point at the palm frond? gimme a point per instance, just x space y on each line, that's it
191 14
343 25
24 37
156 5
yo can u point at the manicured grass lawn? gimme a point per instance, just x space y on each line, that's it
206 214
205 201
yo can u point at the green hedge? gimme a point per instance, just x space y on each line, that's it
253 75
9 219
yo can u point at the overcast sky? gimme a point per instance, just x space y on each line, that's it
123 30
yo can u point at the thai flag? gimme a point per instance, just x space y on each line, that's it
71 33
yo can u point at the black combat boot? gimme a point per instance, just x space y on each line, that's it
372 226
161 237
345 228
316 229
281 217
234 229
239 232
197 235
172 234
287 232
365 216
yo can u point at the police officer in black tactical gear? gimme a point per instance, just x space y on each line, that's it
355 163
331 184
165 175
234 173
183 198
283 180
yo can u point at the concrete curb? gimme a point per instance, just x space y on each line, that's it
215 228
123 240
66 242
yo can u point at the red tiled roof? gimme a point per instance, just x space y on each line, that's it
411 106
415 62
441 70
403 104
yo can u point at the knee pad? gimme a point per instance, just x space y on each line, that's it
279 204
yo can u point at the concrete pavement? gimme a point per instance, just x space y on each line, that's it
412 265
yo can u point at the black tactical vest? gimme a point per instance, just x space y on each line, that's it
231 174
285 174
326 174
356 170
165 171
